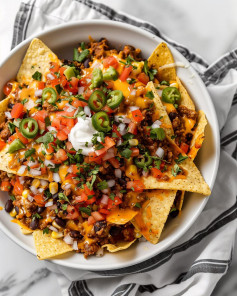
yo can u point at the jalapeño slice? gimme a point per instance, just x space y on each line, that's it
115 98
171 95
143 161
97 100
29 128
101 122
49 94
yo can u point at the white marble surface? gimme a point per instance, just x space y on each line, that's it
207 27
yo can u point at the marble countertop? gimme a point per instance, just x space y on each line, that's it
211 32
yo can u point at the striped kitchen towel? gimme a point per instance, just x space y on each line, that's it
195 264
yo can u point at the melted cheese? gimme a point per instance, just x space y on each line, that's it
121 216
169 107
123 86
189 124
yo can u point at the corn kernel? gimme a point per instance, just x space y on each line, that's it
142 102
25 193
13 213
72 225
44 183
55 234
63 170
56 225
133 142
53 187
36 183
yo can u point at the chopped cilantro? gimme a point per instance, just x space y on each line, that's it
157 134
128 136
29 152
173 137
64 207
164 82
102 185
24 101
138 205
175 170
128 62
12 197
150 95
58 88
11 127
83 45
36 216
90 185
123 191
112 196
46 139
157 163
149 71
131 80
181 158
86 210
47 121
62 196
46 230
126 153
37 76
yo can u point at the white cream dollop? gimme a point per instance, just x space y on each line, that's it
81 135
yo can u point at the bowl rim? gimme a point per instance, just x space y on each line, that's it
183 230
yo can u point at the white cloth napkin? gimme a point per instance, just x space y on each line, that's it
194 265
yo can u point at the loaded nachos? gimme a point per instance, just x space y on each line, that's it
98 151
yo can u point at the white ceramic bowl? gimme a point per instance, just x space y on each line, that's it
62 40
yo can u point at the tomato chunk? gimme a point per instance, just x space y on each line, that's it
17 110
184 147
136 185
21 137
5 186
60 156
143 78
2 144
39 199
110 61
18 188
126 72
137 115
156 173
62 136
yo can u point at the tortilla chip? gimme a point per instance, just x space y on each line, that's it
151 219
185 97
199 136
118 246
48 247
121 216
23 227
3 108
37 58
192 181
160 57
161 112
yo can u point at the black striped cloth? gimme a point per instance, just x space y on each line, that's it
195 264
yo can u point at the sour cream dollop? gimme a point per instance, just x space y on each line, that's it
81 135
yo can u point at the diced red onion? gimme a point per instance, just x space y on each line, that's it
49 163
21 169
8 115
49 204
160 152
126 120
38 93
133 108
29 104
51 129
105 190
41 190
122 128
53 207
70 170
22 180
156 124
43 182
119 142
104 199
145 173
118 173
75 245
81 90
33 189
87 111
31 163
35 172
30 198
109 154
88 80
133 92
50 76
53 228
111 183
68 239
119 118
67 186
100 252
56 177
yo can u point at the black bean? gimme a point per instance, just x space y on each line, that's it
189 137
75 234
114 231
173 115
8 206
122 182
34 224
55 196
60 222
40 210
174 214
99 225
10 105
58 204
17 210
86 63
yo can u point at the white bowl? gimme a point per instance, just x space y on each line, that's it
62 40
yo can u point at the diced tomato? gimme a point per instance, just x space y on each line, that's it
66 130
42 125
60 156
109 142
61 136
110 61
156 173
7 88
70 148
95 158
61 70
115 130
108 109
104 211
41 115
126 72
54 68
75 169
81 198
184 147
21 137
91 200
2 144
88 191
72 85
77 103
39 199
137 185
109 84
115 163
137 115
114 203
72 212
69 122
17 110
43 170
56 123
12 138
5 186
143 78
50 148
97 216
132 128
40 85
135 151
18 188
91 220
70 176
